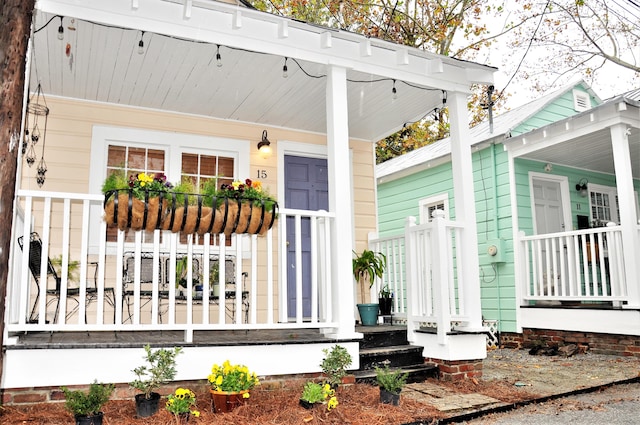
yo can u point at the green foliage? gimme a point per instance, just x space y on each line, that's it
369 265
391 380
160 369
230 377
335 363
182 401
316 393
385 292
72 268
87 404
183 190
117 179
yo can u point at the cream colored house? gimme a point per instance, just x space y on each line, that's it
190 88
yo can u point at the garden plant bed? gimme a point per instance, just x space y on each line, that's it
359 404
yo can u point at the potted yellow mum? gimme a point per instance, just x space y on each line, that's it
230 385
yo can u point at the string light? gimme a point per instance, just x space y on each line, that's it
141 44
394 92
218 57
285 70
60 30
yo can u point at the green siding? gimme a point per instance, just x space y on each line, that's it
399 199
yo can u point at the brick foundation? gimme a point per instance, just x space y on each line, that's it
456 370
14 396
597 343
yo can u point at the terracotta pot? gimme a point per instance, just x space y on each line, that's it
225 401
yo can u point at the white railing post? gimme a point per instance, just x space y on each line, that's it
412 278
440 261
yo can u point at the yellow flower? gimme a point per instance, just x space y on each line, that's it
246 395
219 380
333 402
257 185
236 184
195 413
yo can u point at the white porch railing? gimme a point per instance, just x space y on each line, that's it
131 285
421 269
581 265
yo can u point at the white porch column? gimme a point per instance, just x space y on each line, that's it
464 198
340 203
627 206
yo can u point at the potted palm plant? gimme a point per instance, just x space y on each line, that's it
366 267
86 407
160 369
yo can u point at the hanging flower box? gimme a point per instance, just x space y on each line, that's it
124 211
137 203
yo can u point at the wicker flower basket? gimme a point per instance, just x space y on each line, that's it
124 211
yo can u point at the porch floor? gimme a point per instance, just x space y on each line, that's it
135 339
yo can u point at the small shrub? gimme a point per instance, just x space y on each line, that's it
391 380
335 363
87 404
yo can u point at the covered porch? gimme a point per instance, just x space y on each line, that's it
574 190
208 81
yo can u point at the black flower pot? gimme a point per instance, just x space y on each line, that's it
89 419
306 404
385 306
388 397
146 407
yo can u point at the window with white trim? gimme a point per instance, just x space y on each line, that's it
176 155
429 205
603 204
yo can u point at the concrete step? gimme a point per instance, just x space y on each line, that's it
417 373
393 356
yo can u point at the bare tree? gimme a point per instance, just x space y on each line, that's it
559 40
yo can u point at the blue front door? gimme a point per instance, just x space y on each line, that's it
306 188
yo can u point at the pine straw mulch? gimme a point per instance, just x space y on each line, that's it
359 404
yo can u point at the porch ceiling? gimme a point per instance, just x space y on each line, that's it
98 60
583 141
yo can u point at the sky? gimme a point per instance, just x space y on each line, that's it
612 80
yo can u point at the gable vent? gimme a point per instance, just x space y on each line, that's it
581 101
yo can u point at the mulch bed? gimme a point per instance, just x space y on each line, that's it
359 404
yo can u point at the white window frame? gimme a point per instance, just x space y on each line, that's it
433 201
172 143
612 192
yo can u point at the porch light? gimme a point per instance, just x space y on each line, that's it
60 30
264 146
581 188
394 92
285 70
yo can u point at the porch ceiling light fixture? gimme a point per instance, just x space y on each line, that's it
60 30
264 145
581 187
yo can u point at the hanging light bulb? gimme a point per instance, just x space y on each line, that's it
218 57
141 44
285 70
394 92
60 30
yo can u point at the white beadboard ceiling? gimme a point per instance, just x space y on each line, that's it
102 64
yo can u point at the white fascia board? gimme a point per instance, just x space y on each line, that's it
574 127
216 23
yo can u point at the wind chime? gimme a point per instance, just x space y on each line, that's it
36 131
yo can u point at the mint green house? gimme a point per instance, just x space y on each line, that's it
555 185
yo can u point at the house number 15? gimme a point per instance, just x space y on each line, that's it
262 174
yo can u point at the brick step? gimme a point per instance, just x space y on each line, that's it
417 373
393 356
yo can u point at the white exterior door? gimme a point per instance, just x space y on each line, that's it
548 206
551 214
